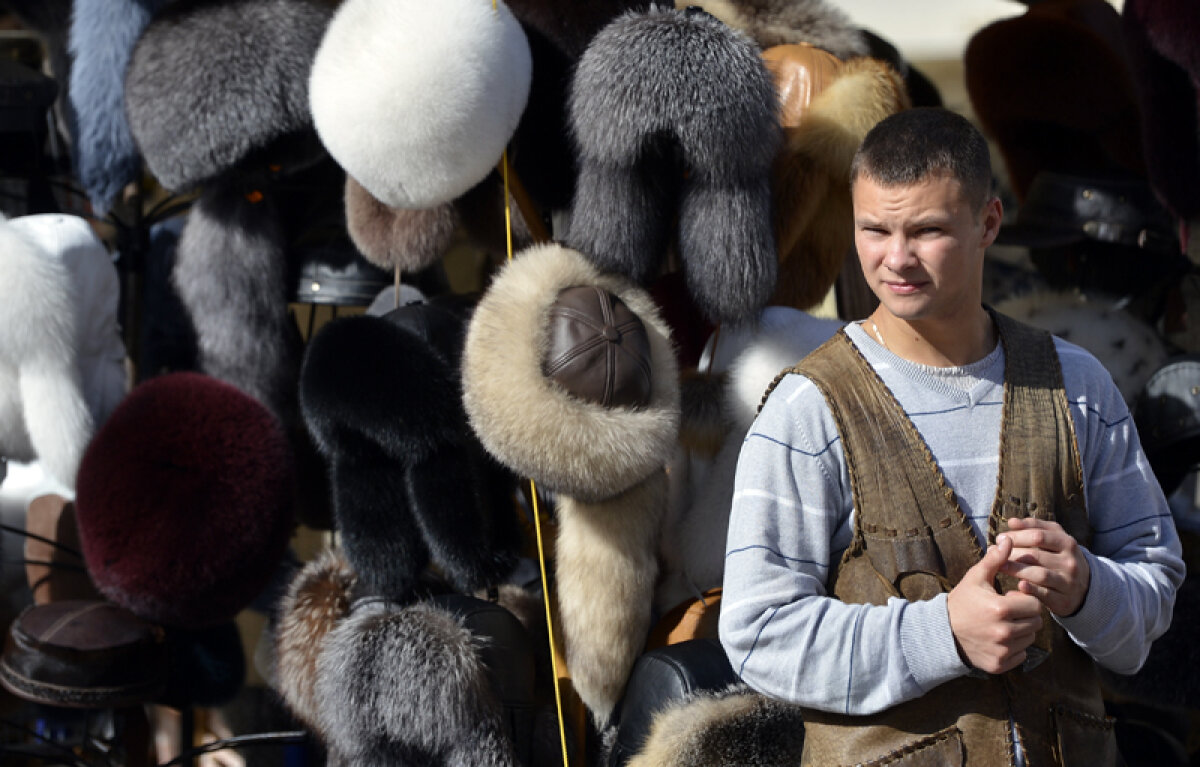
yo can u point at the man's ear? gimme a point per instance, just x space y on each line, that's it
993 215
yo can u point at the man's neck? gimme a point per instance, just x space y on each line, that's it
934 343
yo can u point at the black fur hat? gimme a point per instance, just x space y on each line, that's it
211 81
674 115
411 485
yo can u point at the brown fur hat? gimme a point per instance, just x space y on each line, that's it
533 425
811 178
408 239
318 597
778 22
1053 88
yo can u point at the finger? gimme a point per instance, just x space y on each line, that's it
987 568
1041 538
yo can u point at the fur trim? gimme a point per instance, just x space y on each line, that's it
184 501
317 599
535 427
779 22
811 178
391 238
662 81
732 726
210 81
1129 349
102 36
43 413
410 485
605 570
704 422
401 107
405 686
230 275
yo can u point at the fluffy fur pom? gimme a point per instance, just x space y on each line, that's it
184 501
210 81
674 114
230 275
317 599
733 726
43 413
811 178
1129 349
605 569
779 22
399 238
530 423
404 687
410 483
417 100
102 36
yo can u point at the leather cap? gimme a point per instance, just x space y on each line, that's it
83 654
598 349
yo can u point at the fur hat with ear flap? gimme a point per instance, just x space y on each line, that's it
569 378
811 178
782 22
674 115
230 274
405 686
102 36
43 413
211 81
411 485
317 599
417 100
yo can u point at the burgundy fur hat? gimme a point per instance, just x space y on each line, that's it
184 501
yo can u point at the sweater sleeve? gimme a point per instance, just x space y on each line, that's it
791 518
1135 554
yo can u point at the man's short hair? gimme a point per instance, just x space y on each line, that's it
905 148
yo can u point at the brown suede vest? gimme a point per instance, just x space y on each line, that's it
912 540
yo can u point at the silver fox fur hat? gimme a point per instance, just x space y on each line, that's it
674 115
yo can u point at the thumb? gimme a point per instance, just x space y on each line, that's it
986 569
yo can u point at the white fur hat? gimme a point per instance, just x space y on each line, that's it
417 100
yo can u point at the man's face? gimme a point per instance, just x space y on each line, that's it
921 247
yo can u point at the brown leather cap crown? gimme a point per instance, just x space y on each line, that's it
597 348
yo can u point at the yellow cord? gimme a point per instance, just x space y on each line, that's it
537 517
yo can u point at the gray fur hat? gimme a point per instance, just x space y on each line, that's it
211 81
674 116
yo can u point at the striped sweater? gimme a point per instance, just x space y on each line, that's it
792 517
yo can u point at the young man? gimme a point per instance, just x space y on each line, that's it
943 519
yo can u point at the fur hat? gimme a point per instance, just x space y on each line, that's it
1129 348
534 426
1161 38
317 599
400 686
731 726
674 114
1052 87
211 81
102 36
811 178
417 100
43 413
230 273
184 501
397 238
781 22
411 485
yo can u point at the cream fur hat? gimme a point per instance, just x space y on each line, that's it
417 100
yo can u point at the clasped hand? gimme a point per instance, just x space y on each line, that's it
994 630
